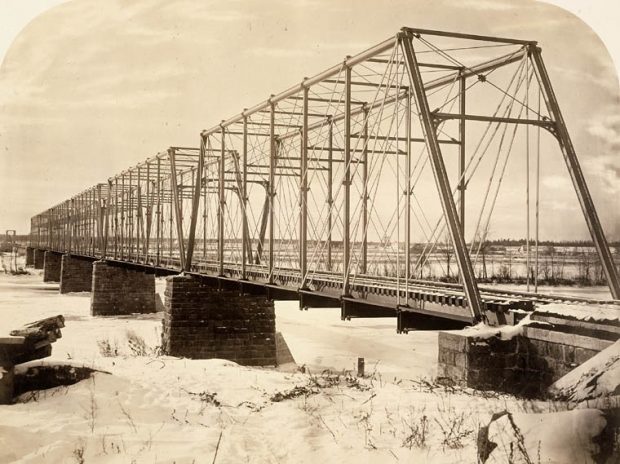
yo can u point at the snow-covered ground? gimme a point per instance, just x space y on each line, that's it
158 409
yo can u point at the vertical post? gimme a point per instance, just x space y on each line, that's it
170 226
204 217
579 181
107 220
50 231
537 197
149 212
82 226
330 199
99 209
462 184
195 206
94 214
38 231
89 223
177 207
271 186
244 200
303 193
441 179
123 229
116 195
63 212
527 177
364 268
222 202
71 219
347 184
139 216
79 226
158 215
408 198
131 216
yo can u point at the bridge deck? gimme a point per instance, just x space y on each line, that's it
370 296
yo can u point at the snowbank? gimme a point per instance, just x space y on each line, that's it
159 409
559 437
583 312
507 332
597 378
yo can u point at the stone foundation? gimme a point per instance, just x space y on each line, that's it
76 274
29 256
118 290
202 322
51 266
39 258
524 365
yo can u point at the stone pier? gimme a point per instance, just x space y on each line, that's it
118 290
39 258
51 266
527 361
76 274
203 322
29 256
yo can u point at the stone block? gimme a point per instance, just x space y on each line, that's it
456 374
453 340
583 354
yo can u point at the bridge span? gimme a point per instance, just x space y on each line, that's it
340 190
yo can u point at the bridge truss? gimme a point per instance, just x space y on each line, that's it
342 188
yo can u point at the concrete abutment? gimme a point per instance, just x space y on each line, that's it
203 322
51 266
119 290
76 274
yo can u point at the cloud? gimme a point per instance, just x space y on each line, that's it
279 52
492 5
557 183
607 129
597 75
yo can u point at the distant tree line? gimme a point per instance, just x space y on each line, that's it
558 243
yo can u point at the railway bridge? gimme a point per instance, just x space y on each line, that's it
338 191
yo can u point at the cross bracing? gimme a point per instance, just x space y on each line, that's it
347 184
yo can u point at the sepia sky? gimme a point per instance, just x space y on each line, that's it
90 87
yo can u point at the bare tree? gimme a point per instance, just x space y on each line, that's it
448 252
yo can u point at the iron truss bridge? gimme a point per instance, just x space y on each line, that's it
343 189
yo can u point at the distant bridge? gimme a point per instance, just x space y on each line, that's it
321 192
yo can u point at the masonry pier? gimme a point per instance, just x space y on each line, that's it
118 289
29 256
51 266
202 322
76 274
39 258
526 362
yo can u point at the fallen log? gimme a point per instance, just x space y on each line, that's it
30 342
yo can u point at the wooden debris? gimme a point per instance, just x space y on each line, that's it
32 341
